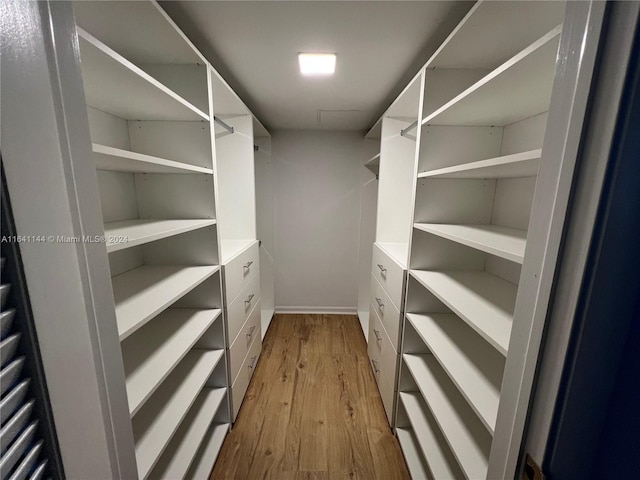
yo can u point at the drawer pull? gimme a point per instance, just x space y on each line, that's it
253 327
253 361
380 304
377 334
249 298
381 267
247 265
375 366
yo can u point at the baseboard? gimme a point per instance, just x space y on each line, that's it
319 310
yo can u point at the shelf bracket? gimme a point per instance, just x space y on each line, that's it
256 148
404 131
224 125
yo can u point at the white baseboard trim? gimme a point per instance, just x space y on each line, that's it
318 310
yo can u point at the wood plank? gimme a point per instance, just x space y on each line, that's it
312 409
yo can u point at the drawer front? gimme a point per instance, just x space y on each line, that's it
380 344
238 311
240 270
241 383
387 311
387 394
374 347
389 274
240 347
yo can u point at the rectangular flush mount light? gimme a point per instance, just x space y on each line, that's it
317 63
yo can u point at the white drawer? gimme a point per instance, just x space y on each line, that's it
387 312
240 270
373 347
388 395
238 311
240 347
241 383
380 344
389 273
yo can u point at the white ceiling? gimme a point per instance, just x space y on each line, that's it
380 46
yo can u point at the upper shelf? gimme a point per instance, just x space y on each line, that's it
142 293
139 30
130 233
471 363
478 42
115 85
507 243
523 164
484 301
373 164
518 89
117 159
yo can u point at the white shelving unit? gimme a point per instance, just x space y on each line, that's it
173 150
467 180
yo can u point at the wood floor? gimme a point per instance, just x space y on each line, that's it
312 410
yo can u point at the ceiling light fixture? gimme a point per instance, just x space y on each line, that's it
317 63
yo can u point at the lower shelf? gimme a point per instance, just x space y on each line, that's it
411 453
182 449
208 453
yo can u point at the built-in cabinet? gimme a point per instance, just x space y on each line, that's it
173 147
461 148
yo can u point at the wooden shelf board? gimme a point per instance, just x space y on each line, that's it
412 456
116 86
507 243
184 445
471 363
155 424
485 302
153 352
397 251
518 89
466 436
142 293
117 159
523 164
435 450
206 457
138 232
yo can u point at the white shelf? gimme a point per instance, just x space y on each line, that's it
182 449
115 85
117 159
439 459
156 423
142 293
518 89
138 232
373 164
206 458
411 454
151 354
471 363
484 301
469 441
231 248
507 243
523 164
397 251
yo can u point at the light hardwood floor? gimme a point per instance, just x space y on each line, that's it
312 410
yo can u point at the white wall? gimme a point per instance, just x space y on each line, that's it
316 199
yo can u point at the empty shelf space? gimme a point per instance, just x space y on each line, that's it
117 159
182 449
468 439
208 453
471 363
412 455
116 86
523 164
518 89
152 353
142 293
156 423
130 233
507 243
434 449
484 301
